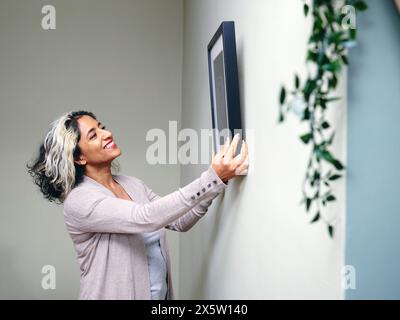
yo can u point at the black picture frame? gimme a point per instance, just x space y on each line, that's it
224 85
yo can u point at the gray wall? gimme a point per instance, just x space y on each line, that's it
120 59
373 214
256 241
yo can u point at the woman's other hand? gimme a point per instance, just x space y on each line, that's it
226 165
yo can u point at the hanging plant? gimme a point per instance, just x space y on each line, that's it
333 32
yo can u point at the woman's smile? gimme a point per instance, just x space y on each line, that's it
110 145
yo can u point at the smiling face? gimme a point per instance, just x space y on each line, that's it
96 143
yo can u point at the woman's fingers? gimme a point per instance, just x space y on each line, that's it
225 147
242 155
242 168
232 148
219 155
242 160
226 164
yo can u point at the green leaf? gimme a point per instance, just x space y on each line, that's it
332 82
335 177
306 138
306 9
334 66
322 103
308 203
282 97
345 60
333 99
316 176
330 198
281 117
316 218
361 6
312 56
309 88
326 155
330 230
307 114
331 138
325 125
337 164
335 37
353 34
297 82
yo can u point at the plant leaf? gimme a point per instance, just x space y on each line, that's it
296 81
335 177
306 138
326 155
353 34
306 9
330 198
316 218
330 230
332 82
345 60
331 138
308 204
361 5
337 164
333 99
282 97
281 117
334 66
325 125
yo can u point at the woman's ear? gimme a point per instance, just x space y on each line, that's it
81 161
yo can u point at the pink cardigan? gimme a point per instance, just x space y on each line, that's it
105 231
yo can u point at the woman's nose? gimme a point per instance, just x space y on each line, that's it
107 134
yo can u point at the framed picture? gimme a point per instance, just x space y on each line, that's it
224 85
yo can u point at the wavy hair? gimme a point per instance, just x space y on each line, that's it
54 169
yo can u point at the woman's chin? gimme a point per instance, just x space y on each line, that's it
118 152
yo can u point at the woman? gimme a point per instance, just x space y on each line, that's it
117 223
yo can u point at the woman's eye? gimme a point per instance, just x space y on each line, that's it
93 136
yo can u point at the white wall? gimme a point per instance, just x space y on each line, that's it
256 242
120 59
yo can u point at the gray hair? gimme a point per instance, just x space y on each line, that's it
55 170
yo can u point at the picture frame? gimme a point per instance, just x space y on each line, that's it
224 86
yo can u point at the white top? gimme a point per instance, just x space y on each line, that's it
157 266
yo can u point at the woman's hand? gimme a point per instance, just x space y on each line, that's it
226 165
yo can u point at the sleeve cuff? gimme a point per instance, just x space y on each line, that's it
214 176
